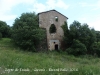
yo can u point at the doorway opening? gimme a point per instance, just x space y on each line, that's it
56 47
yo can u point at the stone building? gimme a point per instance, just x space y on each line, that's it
52 21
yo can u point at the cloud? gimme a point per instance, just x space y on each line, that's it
56 3
38 7
5 9
92 20
95 5
50 4
83 4
95 24
7 6
7 17
62 4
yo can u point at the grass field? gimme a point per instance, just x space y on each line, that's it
14 61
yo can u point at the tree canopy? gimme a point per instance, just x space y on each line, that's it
79 39
4 29
82 33
26 32
98 36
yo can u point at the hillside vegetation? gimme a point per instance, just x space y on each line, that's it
79 39
14 61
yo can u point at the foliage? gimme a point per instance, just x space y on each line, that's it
98 36
0 35
65 29
87 37
66 34
95 49
26 32
77 48
52 28
81 33
5 29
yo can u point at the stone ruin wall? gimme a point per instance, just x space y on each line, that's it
45 21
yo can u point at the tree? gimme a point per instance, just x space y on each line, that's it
73 32
87 36
95 49
77 48
97 36
0 35
82 33
4 29
26 32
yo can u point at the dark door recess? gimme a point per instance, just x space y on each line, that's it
56 47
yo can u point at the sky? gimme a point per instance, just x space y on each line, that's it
84 11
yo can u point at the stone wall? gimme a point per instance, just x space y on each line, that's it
45 20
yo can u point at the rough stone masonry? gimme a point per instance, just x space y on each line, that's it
53 17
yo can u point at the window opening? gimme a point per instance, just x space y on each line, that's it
52 29
56 19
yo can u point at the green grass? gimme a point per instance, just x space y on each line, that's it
13 60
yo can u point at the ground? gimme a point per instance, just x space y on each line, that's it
14 61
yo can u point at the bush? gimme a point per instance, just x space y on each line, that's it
26 32
5 29
0 35
80 32
77 48
95 49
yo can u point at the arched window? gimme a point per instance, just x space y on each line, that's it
52 29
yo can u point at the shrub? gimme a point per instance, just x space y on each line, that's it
77 48
95 49
0 35
5 29
80 32
26 32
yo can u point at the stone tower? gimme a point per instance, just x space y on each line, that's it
54 35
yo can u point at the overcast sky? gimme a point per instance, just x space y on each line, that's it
84 11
